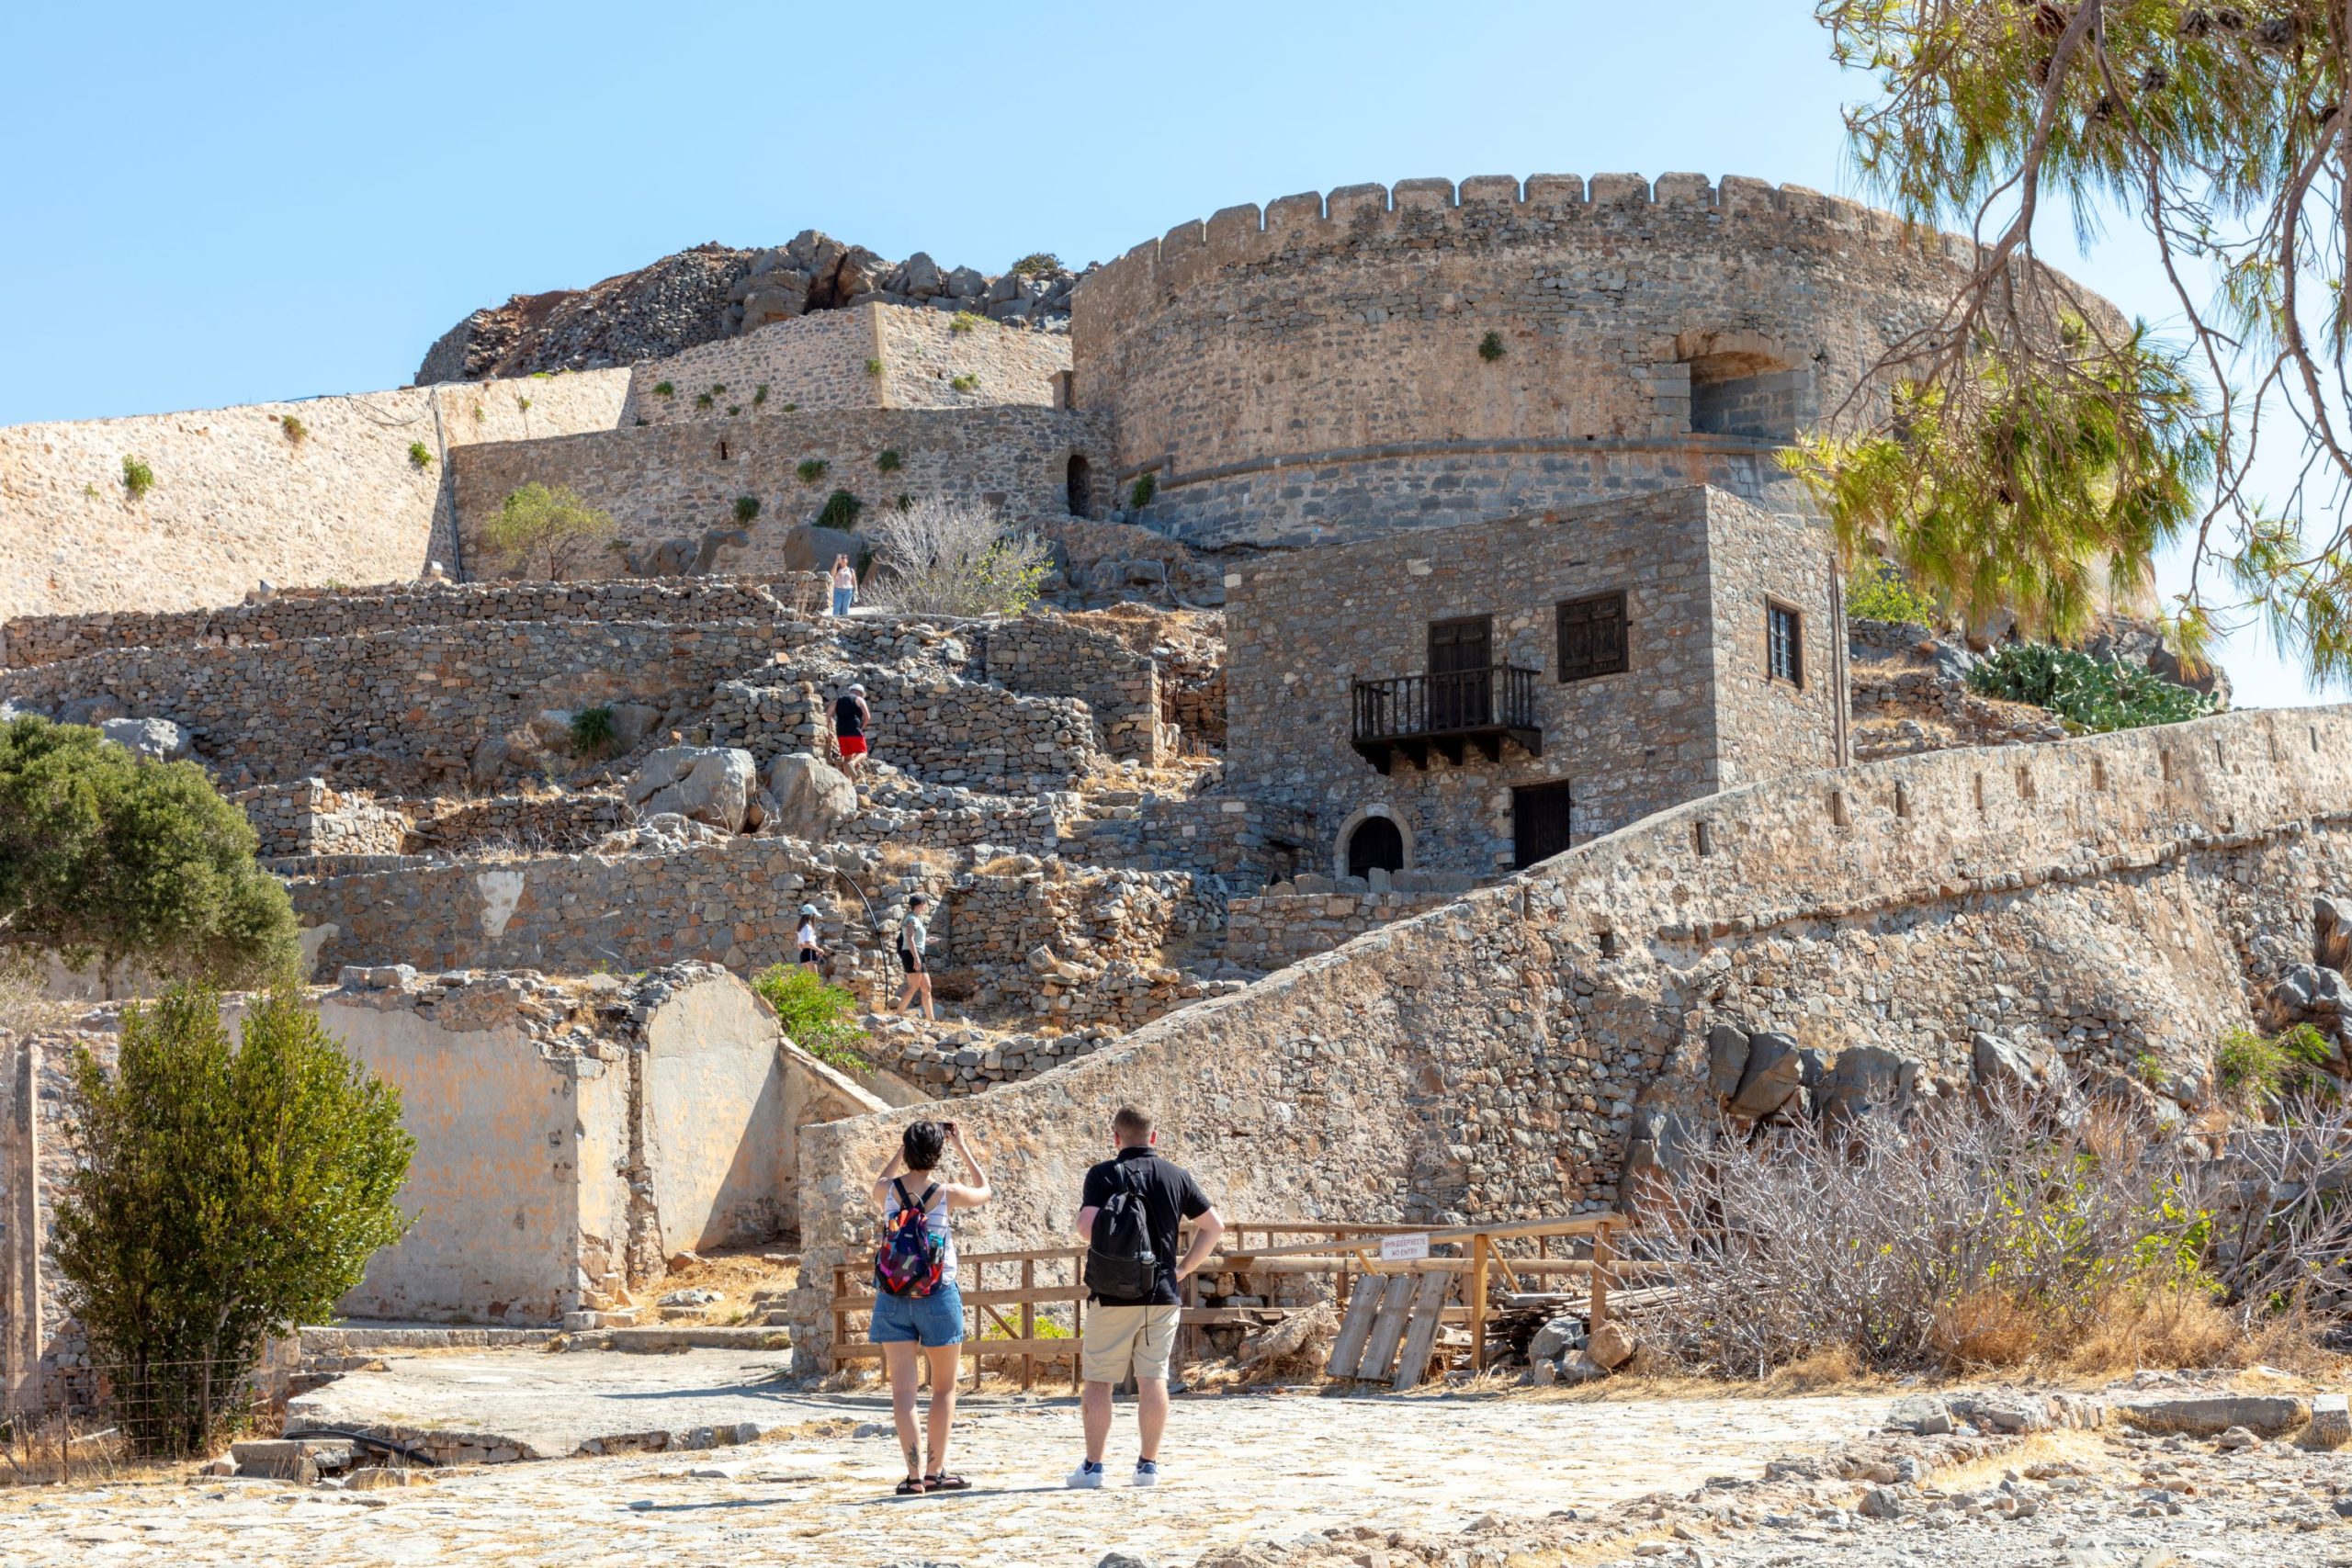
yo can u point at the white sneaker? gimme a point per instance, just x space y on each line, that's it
1088 1475
1147 1472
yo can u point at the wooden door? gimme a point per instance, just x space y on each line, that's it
1460 653
1539 822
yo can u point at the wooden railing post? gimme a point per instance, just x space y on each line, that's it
1600 1259
1479 1247
1028 1323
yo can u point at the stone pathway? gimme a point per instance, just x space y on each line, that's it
1241 1467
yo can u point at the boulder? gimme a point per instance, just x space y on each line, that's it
1865 1078
1610 1345
2332 932
2006 1067
809 797
90 710
150 736
705 784
1775 1071
1726 1059
1921 1413
1560 1333
807 548
2307 993
967 284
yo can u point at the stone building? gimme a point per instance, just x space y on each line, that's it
1477 699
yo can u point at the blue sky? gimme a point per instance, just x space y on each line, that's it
210 205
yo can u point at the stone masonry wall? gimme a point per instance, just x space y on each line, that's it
300 613
425 696
942 730
1247 840
308 817
1302 628
678 481
1316 370
2101 897
1275 929
1050 656
237 499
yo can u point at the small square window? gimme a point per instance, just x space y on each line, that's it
1592 636
1784 639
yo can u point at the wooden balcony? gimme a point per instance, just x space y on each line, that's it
1411 716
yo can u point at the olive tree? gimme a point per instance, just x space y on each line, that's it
106 853
548 531
222 1192
946 557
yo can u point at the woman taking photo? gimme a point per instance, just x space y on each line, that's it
916 1304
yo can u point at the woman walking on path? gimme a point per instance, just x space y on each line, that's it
850 717
812 952
916 1302
844 581
914 933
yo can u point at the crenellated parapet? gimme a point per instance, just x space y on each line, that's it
1379 356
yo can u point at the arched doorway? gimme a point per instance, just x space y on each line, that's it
1375 845
1078 486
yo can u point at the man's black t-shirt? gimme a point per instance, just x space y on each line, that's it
849 717
1170 1196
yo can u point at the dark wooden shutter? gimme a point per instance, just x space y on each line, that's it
1539 823
1460 653
1592 636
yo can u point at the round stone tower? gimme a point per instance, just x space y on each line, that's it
1346 365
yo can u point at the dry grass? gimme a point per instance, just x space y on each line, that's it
734 1275
901 859
2176 1327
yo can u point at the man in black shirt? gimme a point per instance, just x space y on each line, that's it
1135 1333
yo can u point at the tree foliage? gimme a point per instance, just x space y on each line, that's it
548 531
2225 132
221 1193
107 853
953 559
818 1018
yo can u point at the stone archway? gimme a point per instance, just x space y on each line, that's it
1393 839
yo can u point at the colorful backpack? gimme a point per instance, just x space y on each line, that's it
910 1258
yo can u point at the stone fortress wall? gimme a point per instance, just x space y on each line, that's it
1315 370
871 355
1692 713
238 498
2103 899
669 480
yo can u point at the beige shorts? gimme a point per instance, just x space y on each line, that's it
1122 1338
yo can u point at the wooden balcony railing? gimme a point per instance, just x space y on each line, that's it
1447 712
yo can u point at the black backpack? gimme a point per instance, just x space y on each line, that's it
1120 1263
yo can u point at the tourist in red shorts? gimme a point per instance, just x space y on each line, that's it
850 717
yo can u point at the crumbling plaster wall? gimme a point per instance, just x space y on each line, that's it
237 499
2107 897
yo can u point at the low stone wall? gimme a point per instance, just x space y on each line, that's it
302 613
942 730
676 481
2106 899
903 810
310 817
1249 841
733 903
425 696
1075 947
532 822
1273 931
1049 657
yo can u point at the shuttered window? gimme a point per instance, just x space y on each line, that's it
1592 636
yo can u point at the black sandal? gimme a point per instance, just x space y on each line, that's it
913 1487
943 1481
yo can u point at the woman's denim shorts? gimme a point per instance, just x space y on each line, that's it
928 1321
842 597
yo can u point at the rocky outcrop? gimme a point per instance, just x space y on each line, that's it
715 291
718 785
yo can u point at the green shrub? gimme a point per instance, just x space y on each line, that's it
522 403
817 1016
964 321
541 375
1038 263
964 383
137 478
592 731
106 853
888 460
2093 695
874 368
717 386
905 503
665 389
547 530
810 470
759 394
420 454
89 492
746 508
218 1196
2256 1069
1147 486
1491 347
1878 591
789 407
703 400
296 431
734 409
840 511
